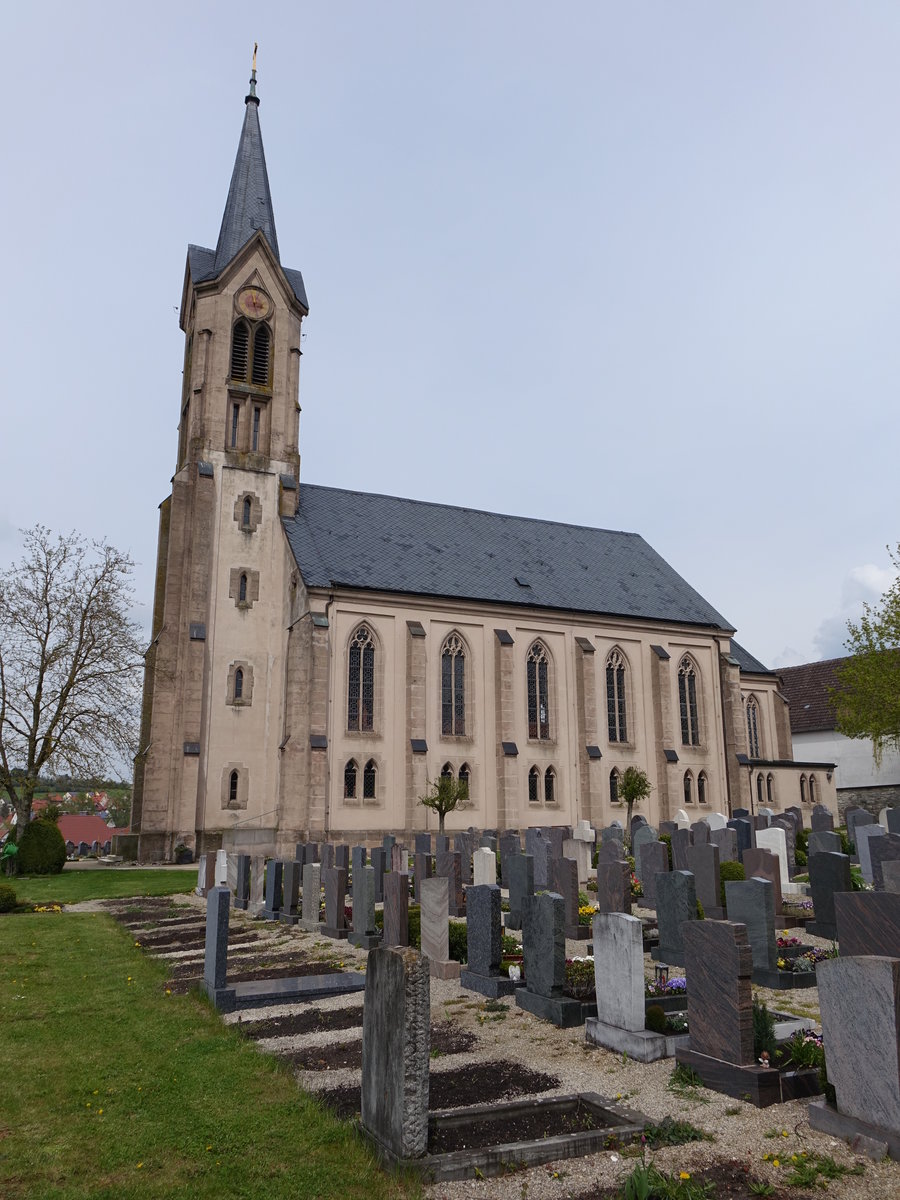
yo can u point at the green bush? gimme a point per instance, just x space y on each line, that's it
701 915
459 947
42 850
7 897
847 847
667 839
728 873
655 1019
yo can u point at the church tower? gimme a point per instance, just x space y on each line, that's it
213 685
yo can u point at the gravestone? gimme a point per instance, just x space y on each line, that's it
221 875
637 821
559 835
442 843
357 861
580 853
464 845
726 840
612 833
257 884
891 872
613 887
206 873
715 820
667 827
864 836
643 834
312 853
854 817
681 839
700 832
387 845
487 841
484 868
242 885
378 859
774 839
744 832
300 855
821 819
396 858
326 859
652 861
703 862
335 883
823 841
483 973
448 864
436 928
215 958
764 865
882 850
868 923
509 845
610 852
422 869
342 856
521 886
364 934
423 843
829 873
544 944
539 849
312 889
751 902
789 829
676 906
892 820
740 812
290 876
682 820
274 875
396 1049
396 909
565 873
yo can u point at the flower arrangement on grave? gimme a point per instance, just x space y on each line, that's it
579 978
586 912
637 889
806 962
793 902
672 987
784 939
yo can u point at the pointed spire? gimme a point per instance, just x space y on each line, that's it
249 204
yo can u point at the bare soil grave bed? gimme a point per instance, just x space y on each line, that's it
340 1055
312 1021
730 1179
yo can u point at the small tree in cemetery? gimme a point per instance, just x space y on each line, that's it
70 662
634 785
444 795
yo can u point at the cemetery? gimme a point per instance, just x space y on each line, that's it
456 1005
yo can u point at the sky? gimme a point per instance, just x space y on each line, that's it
626 266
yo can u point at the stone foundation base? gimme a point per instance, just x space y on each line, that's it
640 1044
364 941
828 1120
558 1010
337 934
444 970
493 986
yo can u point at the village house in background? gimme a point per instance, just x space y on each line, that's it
860 782
319 655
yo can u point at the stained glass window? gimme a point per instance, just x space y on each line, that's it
615 698
361 681
453 687
687 700
538 692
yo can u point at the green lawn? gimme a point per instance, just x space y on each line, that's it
112 1089
102 883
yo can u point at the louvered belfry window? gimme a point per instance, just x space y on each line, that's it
261 357
240 351
361 681
453 687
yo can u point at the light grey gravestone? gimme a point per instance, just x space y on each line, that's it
396 858
726 840
231 872
242 883
700 832
703 862
613 887
342 856
521 885
823 841
676 905
422 869
859 1000
423 843
580 853
483 973
449 863
544 945
681 839
436 928
464 845
257 883
335 882
881 851
540 850
821 819
744 832
312 895
829 873
396 909
715 820
787 826
221 873
290 874
364 934
864 835
215 958
891 873
642 835
484 868
396 1049
378 860
509 845
653 861
274 874
774 839
200 889
751 902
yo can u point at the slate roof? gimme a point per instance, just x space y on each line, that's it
389 544
806 688
746 660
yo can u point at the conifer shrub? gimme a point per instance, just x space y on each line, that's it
7 898
42 850
655 1019
728 873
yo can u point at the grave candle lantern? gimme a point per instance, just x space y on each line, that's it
661 972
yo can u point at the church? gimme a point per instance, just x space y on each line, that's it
320 655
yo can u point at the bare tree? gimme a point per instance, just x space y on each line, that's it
70 660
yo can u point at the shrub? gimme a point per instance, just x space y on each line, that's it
728 873
701 915
655 1019
42 850
7 897
847 847
459 947
667 839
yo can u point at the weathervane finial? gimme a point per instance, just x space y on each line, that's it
253 72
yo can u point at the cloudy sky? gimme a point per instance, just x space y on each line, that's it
632 266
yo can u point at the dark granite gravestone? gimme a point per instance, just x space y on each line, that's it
358 858
821 819
797 813
509 845
744 831
829 873
865 835
335 882
613 887
290 878
681 839
652 861
483 973
668 827
215 958
676 906
300 854
312 897
326 859
882 850
342 856
364 934
643 834
487 842
396 909
543 864
891 873
892 816
703 863
544 943
396 1049
423 843
739 813
396 858
465 844
823 841
854 817
726 840
565 874
637 821
790 841
441 843
387 844
558 835
378 859
751 902
609 852
612 833
447 863
422 868
521 885
435 928
764 865
700 833
868 923
274 875
242 889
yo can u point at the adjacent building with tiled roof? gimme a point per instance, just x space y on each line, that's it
320 654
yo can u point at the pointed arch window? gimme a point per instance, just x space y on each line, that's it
361 682
534 783
369 774
614 786
240 351
453 687
688 788
615 697
803 789
238 684
464 776
549 786
350 773
242 588
446 771
759 789
770 791
246 513
687 701
702 789
753 727
233 787
812 790
538 692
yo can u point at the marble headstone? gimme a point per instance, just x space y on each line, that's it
619 970
718 964
484 867
436 927
774 839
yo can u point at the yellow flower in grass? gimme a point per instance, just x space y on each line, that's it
775 1162
684 1175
